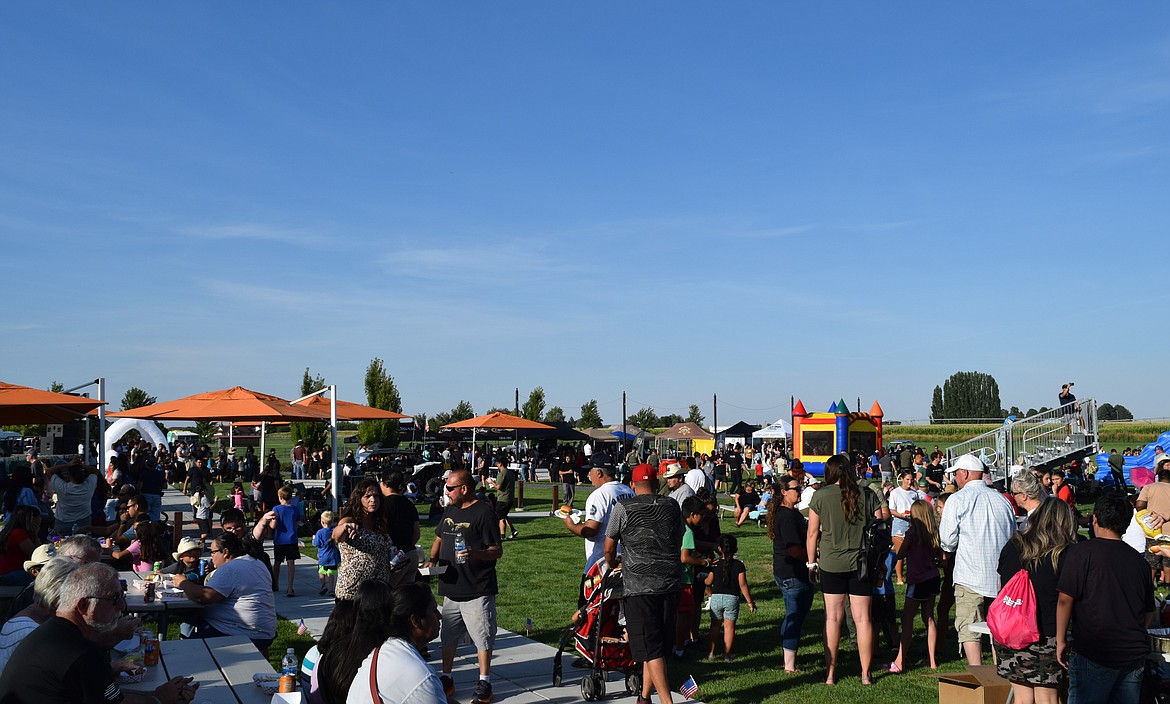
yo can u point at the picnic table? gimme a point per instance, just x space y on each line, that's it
160 608
222 666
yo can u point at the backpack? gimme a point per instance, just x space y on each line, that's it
1012 616
875 541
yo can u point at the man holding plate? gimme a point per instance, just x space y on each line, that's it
607 491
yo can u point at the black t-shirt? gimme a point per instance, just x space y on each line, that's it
474 578
730 583
152 481
1064 401
402 516
55 663
749 499
1043 583
1112 594
789 528
734 460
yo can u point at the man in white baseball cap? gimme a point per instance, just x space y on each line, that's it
976 523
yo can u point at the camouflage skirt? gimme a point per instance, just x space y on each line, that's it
1035 665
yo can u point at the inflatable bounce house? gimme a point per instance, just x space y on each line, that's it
818 436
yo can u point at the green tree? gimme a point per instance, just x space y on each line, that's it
496 409
206 429
644 418
533 408
970 395
590 415
669 420
1122 412
380 393
312 433
462 411
556 414
694 416
1106 411
936 404
137 398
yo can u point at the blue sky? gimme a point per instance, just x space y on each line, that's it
757 200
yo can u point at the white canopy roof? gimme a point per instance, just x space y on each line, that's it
779 429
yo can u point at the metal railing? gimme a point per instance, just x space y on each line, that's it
1044 439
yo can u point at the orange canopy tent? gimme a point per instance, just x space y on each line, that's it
496 421
24 404
236 403
348 410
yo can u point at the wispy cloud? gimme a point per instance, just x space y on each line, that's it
1135 82
769 233
882 226
257 231
502 262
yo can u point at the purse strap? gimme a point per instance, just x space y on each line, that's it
374 677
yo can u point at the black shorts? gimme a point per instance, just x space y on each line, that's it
844 583
502 509
650 620
924 590
286 553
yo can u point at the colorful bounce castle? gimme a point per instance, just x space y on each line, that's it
818 436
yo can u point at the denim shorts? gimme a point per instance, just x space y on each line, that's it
724 607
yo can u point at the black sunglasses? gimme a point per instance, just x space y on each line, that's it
452 487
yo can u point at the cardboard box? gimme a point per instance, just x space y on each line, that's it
978 685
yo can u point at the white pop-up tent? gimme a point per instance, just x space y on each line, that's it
777 430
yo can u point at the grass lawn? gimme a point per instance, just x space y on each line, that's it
540 572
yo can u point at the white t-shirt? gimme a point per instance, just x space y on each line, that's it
805 497
901 499
403 677
73 499
696 479
248 608
598 507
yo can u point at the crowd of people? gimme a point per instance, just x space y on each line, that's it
954 541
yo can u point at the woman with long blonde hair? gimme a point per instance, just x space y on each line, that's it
921 550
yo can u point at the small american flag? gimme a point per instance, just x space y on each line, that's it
690 688
528 627
302 629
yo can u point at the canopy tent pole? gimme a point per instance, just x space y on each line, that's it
263 432
336 474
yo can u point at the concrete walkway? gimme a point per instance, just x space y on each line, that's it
521 667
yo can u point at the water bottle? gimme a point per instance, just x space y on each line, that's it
288 672
202 569
460 546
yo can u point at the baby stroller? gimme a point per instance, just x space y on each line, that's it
598 634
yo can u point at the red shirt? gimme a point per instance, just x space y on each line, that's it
1065 494
13 557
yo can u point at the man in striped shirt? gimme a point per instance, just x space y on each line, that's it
650 530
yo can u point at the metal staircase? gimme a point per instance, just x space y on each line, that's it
1044 440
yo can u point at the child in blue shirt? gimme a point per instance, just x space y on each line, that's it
328 555
283 522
